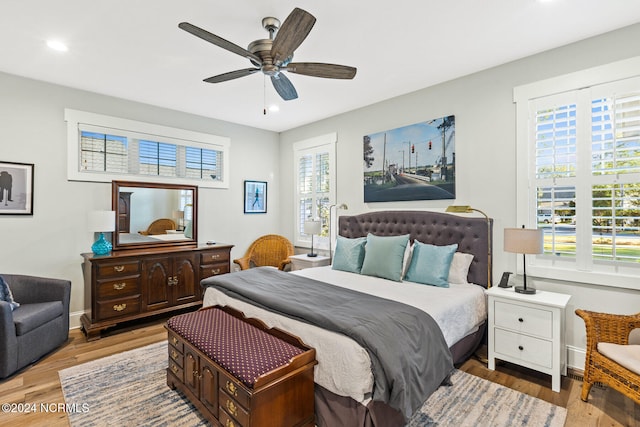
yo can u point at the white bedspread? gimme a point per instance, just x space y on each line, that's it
344 366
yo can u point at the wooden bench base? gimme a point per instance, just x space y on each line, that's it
281 397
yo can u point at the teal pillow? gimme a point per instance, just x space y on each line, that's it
6 295
384 256
430 264
349 254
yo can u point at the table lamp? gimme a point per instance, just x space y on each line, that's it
312 227
524 241
102 222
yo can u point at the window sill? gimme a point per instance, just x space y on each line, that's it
615 280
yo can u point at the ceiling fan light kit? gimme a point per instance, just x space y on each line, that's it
273 56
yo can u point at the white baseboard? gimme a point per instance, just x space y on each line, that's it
576 357
74 319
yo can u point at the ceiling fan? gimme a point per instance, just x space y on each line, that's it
272 56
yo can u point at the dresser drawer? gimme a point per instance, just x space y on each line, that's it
118 288
231 407
525 348
226 420
520 318
176 370
176 356
213 270
118 269
214 257
176 342
117 308
233 389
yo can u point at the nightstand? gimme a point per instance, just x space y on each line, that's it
528 330
302 261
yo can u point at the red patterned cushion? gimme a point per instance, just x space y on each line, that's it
242 349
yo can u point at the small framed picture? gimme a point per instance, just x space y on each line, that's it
16 188
255 197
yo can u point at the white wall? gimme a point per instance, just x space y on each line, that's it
485 154
50 242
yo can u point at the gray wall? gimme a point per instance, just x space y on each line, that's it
50 242
485 154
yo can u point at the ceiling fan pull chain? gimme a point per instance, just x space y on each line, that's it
264 94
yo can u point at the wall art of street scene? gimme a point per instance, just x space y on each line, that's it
415 162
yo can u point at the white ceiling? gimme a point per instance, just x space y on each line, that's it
133 49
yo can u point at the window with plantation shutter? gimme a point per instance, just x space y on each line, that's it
103 148
583 180
315 186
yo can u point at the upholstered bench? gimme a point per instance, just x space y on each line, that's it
238 372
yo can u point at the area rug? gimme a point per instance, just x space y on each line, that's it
129 389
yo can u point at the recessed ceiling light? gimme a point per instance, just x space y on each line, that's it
57 45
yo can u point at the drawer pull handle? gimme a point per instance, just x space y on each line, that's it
215 256
174 368
174 340
231 388
229 423
520 348
174 354
119 286
118 268
119 307
172 280
233 409
520 319
216 271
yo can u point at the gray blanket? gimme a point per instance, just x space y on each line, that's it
409 355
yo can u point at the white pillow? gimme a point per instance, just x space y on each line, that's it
460 268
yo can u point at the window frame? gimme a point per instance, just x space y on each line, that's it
300 148
612 274
78 121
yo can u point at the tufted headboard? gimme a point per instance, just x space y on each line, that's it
472 234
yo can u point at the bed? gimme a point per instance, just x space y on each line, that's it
352 387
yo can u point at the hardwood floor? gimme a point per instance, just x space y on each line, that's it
39 384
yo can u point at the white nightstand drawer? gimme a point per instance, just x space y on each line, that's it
522 347
524 319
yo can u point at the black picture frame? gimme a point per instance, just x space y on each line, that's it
16 188
255 197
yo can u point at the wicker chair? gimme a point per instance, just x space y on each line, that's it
270 250
614 329
159 226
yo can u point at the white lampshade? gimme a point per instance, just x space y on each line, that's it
102 221
524 240
178 214
312 227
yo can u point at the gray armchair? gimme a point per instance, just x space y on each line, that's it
38 326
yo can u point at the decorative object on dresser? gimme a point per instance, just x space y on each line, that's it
312 227
133 284
611 359
102 222
528 330
524 241
269 250
236 371
469 209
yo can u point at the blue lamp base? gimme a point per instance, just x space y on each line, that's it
101 246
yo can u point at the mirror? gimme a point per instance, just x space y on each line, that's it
152 215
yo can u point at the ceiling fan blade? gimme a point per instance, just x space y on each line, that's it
318 69
219 41
291 34
284 87
231 75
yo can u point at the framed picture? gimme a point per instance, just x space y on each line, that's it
16 188
415 162
255 197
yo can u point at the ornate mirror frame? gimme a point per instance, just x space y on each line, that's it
154 215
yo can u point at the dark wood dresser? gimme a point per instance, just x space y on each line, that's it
131 284
240 373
